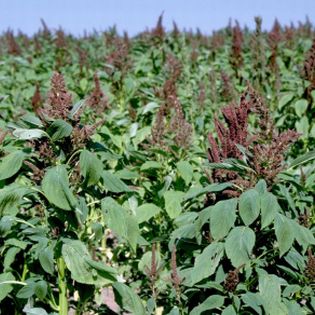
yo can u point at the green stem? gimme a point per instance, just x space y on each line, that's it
24 273
63 299
71 157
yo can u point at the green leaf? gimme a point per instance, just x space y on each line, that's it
151 165
270 291
300 107
229 311
117 219
309 156
146 212
32 121
129 87
83 84
76 108
303 235
128 299
114 184
59 129
285 100
212 302
81 265
10 256
27 291
173 203
149 107
303 126
261 187
56 187
212 255
116 76
269 208
10 197
40 289
186 171
197 191
46 259
249 206
6 288
28 134
11 164
222 218
34 311
254 300
91 168
239 245
284 233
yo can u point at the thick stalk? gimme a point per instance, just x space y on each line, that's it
63 299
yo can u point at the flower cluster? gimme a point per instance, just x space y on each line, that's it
97 100
266 148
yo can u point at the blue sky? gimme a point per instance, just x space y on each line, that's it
135 15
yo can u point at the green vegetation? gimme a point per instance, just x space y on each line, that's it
175 168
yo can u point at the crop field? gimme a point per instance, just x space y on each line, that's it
173 171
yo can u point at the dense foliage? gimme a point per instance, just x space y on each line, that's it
175 168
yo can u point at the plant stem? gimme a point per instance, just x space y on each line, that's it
63 299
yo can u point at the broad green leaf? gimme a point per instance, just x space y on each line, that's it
254 300
284 232
269 288
222 218
11 164
146 212
197 191
150 165
46 259
32 121
287 196
173 201
303 235
309 156
291 289
114 184
133 130
128 299
300 107
212 254
249 206
28 134
229 311
117 219
59 129
269 208
212 302
76 108
129 87
10 256
10 197
83 84
56 187
285 100
302 126
15 242
186 171
239 245
82 267
27 291
34 310
149 107
261 187
6 288
40 289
